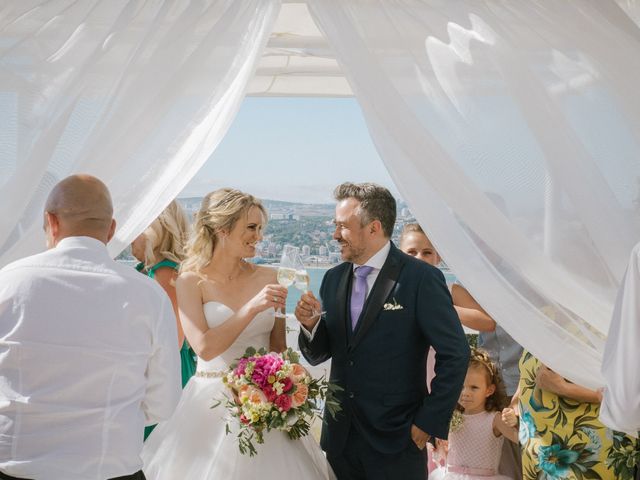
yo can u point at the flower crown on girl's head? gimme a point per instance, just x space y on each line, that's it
498 399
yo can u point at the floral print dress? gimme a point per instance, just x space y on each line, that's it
563 439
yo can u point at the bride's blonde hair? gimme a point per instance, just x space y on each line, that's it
220 211
166 236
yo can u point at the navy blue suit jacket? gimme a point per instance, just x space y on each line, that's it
382 364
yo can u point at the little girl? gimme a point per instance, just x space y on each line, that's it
475 440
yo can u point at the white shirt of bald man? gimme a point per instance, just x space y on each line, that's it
88 357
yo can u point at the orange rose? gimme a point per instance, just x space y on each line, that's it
242 394
300 395
251 394
298 372
256 396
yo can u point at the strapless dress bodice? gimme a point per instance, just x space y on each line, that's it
257 335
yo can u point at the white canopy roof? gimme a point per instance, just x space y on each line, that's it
298 61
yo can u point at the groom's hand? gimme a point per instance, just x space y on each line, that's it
419 437
307 310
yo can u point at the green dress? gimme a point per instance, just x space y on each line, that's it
187 355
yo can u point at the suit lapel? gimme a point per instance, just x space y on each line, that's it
382 288
342 295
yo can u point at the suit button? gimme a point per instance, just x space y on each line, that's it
351 395
351 363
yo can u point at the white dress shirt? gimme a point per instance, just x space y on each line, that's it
88 356
376 262
620 409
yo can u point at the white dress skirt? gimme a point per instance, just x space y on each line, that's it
194 444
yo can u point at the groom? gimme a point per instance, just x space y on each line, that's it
384 309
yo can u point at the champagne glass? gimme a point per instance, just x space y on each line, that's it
287 271
302 280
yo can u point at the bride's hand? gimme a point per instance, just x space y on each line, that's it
272 295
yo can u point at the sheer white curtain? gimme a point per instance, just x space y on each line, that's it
632 8
136 92
621 405
512 128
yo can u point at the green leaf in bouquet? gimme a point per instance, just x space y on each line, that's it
249 352
245 445
246 438
291 355
299 430
334 388
333 408
331 403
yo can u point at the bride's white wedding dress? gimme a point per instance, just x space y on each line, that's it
193 444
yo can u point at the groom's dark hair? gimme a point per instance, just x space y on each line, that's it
376 203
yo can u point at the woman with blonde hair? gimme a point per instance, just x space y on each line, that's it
226 305
160 249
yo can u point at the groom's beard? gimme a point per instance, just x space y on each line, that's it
350 253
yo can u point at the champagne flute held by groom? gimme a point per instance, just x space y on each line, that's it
384 309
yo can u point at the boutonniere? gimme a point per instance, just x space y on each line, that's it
393 306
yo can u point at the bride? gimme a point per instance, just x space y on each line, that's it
226 305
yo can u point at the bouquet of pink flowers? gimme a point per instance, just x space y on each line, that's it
272 391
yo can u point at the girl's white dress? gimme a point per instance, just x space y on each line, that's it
474 451
193 444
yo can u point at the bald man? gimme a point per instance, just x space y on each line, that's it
88 349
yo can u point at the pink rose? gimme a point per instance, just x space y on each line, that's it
287 384
283 402
269 392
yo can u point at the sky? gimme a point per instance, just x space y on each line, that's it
299 149
293 149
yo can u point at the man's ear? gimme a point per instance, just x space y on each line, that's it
54 224
375 226
112 230
52 228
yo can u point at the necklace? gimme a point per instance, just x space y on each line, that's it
229 277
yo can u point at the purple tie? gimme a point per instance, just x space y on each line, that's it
359 293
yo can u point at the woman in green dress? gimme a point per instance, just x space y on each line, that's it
160 250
